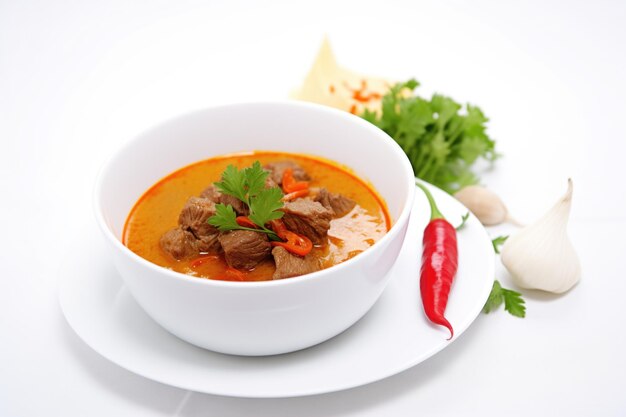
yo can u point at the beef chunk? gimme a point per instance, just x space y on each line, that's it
195 214
193 218
244 249
239 206
277 169
269 182
337 203
179 243
308 218
213 194
288 265
208 243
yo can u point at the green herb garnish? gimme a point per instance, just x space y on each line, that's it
463 221
513 301
497 242
441 142
248 185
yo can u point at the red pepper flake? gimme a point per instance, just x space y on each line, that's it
353 109
361 94
363 98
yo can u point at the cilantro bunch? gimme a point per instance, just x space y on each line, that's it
441 141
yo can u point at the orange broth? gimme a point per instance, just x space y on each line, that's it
157 211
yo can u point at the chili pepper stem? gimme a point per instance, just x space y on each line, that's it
434 210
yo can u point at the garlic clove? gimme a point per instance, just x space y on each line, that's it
541 256
484 204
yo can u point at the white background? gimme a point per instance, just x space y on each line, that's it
77 79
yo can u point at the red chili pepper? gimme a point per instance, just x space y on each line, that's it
244 221
290 184
295 243
295 194
439 264
278 226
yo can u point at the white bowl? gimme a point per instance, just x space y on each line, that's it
257 318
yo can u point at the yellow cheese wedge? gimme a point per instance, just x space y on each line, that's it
329 84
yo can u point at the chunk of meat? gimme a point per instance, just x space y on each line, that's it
239 206
269 181
195 214
193 218
277 169
213 194
289 265
308 218
244 249
337 203
178 243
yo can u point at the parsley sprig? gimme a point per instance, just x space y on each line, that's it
497 242
513 301
248 185
441 138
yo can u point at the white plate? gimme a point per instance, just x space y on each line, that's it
391 338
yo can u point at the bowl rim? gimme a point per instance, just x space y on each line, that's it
333 270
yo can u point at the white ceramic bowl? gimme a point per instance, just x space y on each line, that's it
256 318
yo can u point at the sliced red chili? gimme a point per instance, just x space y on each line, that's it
279 228
296 244
296 194
244 221
290 184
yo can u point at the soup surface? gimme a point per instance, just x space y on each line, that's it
158 210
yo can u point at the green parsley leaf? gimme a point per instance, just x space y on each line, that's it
233 183
513 301
441 138
243 184
495 298
248 185
497 242
224 218
255 179
265 206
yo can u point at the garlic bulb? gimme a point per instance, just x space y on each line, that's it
485 205
541 256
